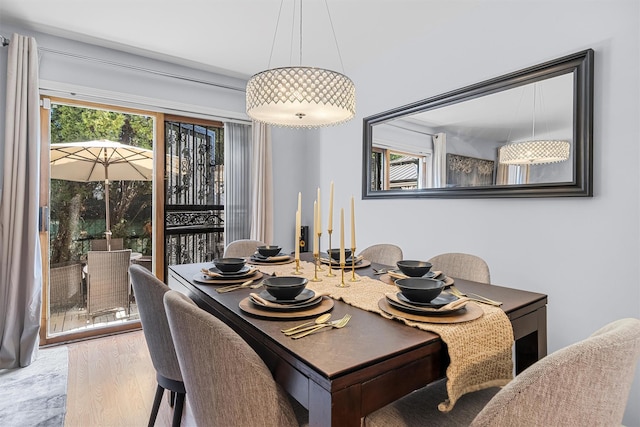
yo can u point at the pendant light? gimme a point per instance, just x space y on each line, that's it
301 96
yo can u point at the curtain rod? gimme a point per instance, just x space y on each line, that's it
5 42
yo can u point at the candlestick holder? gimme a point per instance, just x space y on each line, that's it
330 274
353 266
297 270
342 284
315 270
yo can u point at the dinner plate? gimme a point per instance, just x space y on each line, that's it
280 259
207 280
443 299
303 296
422 310
471 311
428 275
288 307
325 304
240 273
360 264
258 256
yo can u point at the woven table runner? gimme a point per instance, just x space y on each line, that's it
479 350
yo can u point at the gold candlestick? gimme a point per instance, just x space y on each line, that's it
353 265
330 274
342 284
315 270
319 252
297 270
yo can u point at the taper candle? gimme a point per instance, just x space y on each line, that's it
297 242
342 257
300 203
353 225
319 230
315 225
330 222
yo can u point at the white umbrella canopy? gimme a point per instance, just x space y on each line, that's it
101 160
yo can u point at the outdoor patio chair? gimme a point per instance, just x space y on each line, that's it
65 286
462 266
108 286
242 248
101 244
384 253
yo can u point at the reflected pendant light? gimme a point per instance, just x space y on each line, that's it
301 97
534 152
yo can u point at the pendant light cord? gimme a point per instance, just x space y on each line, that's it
335 39
275 33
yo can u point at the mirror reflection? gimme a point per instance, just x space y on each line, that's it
522 131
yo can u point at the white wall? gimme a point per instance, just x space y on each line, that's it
582 252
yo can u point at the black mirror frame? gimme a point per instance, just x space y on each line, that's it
580 64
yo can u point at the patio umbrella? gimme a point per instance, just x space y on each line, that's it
101 160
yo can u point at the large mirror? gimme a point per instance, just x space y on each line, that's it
524 134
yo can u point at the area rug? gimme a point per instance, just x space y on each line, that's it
37 394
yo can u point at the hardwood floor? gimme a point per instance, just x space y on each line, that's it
112 383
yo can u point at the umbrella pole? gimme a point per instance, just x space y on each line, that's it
106 202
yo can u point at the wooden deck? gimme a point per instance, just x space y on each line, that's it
75 319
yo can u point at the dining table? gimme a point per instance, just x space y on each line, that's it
344 374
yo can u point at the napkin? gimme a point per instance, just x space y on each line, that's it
213 274
453 305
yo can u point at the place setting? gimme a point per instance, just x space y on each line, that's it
227 271
286 297
422 299
270 255
333 258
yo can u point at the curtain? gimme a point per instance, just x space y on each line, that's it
237 181
439 160
20 259
262 201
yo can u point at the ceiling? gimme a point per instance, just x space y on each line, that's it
235 37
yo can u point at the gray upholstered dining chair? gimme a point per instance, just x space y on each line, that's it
227 382
462 266
383 253
242 248
108 286
584 384
149 293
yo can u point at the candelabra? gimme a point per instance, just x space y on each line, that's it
330 274
353 265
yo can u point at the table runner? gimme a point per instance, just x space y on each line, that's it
479 350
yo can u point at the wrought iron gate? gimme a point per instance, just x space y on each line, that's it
194 198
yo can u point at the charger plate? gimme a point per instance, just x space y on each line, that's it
470 312
248 307
258 261
205 280
335 265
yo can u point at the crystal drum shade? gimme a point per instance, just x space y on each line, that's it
534 152
301 97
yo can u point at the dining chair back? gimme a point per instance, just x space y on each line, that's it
149 292
462 266
242 248
108 286
586 383
101 244
383 253
227 382
65 286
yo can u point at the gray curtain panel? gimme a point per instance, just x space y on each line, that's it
237 180
20 260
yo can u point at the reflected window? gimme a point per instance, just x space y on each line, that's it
393 170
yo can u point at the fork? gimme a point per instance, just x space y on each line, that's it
246 284
475 297
341 323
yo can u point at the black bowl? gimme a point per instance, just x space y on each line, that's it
229 265
420 289
414 268
269 250
335 253
285 287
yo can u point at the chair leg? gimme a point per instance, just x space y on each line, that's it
156 405
172 398
177 411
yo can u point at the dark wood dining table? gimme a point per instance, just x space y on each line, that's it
348 373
